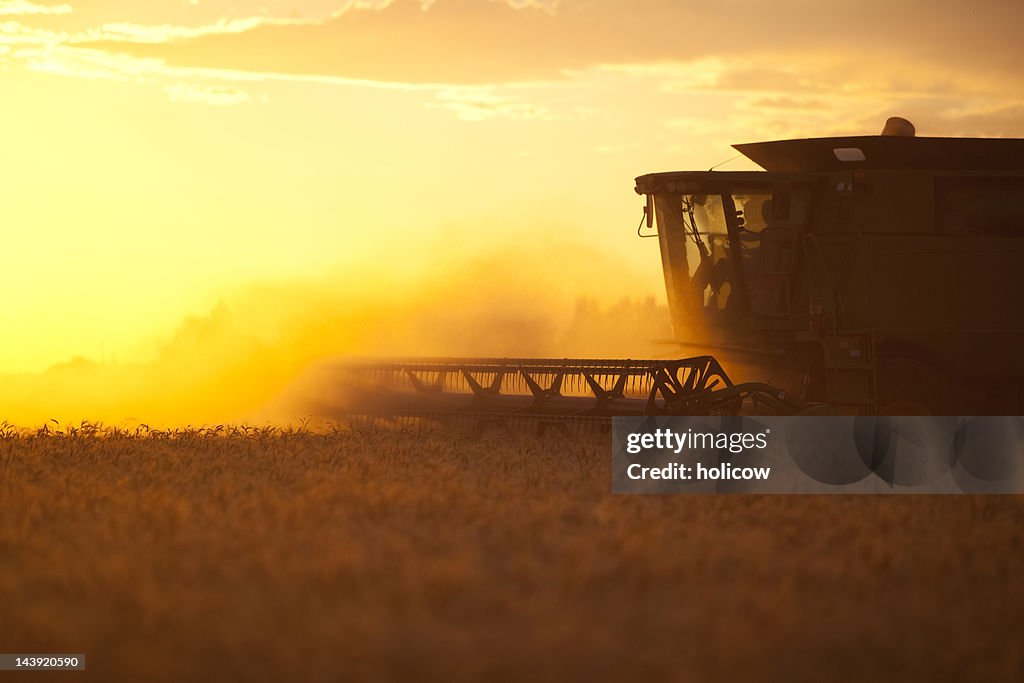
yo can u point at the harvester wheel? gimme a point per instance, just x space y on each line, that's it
910 387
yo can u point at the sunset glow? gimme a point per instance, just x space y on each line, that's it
201 198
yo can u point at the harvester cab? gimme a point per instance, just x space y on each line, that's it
875 274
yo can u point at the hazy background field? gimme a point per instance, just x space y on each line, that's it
269 555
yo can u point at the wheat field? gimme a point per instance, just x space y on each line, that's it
261 554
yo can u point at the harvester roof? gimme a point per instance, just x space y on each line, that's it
887 152
703 182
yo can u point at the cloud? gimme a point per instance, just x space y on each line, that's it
478 42
217 87
481 104
25 8
476 58
796 56
787 103
450 43
165 33
998 121
58 60
13 33
206 94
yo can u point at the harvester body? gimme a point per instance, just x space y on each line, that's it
874 274
855 275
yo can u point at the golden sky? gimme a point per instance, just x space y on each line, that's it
160 157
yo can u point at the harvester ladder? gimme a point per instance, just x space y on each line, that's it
851 378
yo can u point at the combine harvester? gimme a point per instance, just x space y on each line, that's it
869 275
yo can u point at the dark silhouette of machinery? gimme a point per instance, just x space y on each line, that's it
875 274
859 275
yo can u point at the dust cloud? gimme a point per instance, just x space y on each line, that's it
249 359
